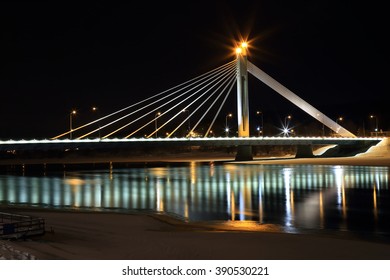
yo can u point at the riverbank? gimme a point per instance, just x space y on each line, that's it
114 236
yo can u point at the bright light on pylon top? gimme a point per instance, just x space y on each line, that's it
242 48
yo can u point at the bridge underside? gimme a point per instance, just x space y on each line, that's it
244 148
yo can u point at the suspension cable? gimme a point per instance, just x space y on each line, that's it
227 80
222 75
207 78
220 107
140 102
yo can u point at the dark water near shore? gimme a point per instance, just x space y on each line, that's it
341 199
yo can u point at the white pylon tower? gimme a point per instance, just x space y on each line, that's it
243 152
242 91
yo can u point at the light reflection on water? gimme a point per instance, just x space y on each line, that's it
343 198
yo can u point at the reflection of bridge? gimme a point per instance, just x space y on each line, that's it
201 99
227 192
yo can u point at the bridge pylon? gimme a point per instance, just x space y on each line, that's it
243 152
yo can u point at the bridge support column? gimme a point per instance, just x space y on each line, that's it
243 152
304 151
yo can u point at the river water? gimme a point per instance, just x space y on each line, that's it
338 199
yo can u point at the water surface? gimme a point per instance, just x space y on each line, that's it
353 199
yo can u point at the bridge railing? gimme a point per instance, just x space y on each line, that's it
17 226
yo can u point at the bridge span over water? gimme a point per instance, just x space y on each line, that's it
304 144
184 107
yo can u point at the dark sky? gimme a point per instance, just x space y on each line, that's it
62 55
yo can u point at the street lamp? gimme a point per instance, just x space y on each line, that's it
95 109
339 119
376 124
73 112
189 123
155 121
226 124
338 126
285 120
260 129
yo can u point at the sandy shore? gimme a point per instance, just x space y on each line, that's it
112 236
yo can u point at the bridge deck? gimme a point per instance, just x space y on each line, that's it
36 145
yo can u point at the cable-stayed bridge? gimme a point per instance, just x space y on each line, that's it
186 114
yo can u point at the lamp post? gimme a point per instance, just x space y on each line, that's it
155 121
226 124
337 122
285 120
376 124
95 110
73 112
189 123
261 128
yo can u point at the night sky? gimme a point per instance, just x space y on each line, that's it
62 55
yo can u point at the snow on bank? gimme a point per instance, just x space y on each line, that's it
7 252
382 149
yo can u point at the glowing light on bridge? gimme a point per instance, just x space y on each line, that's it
242 49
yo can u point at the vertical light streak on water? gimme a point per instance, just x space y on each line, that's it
143 180
108 186
378 179
65 194
178 206
261 190
233 205
84 191
167 194
338 174
374 195
125 192
241 204
56 189
228 191
193 172
97 193
140 192
341 199
195 189
211 187
116 192
47 191
2 189
248 191
185 198
221 190
76 195
241 195
23 190
287 188
321 199
159 196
